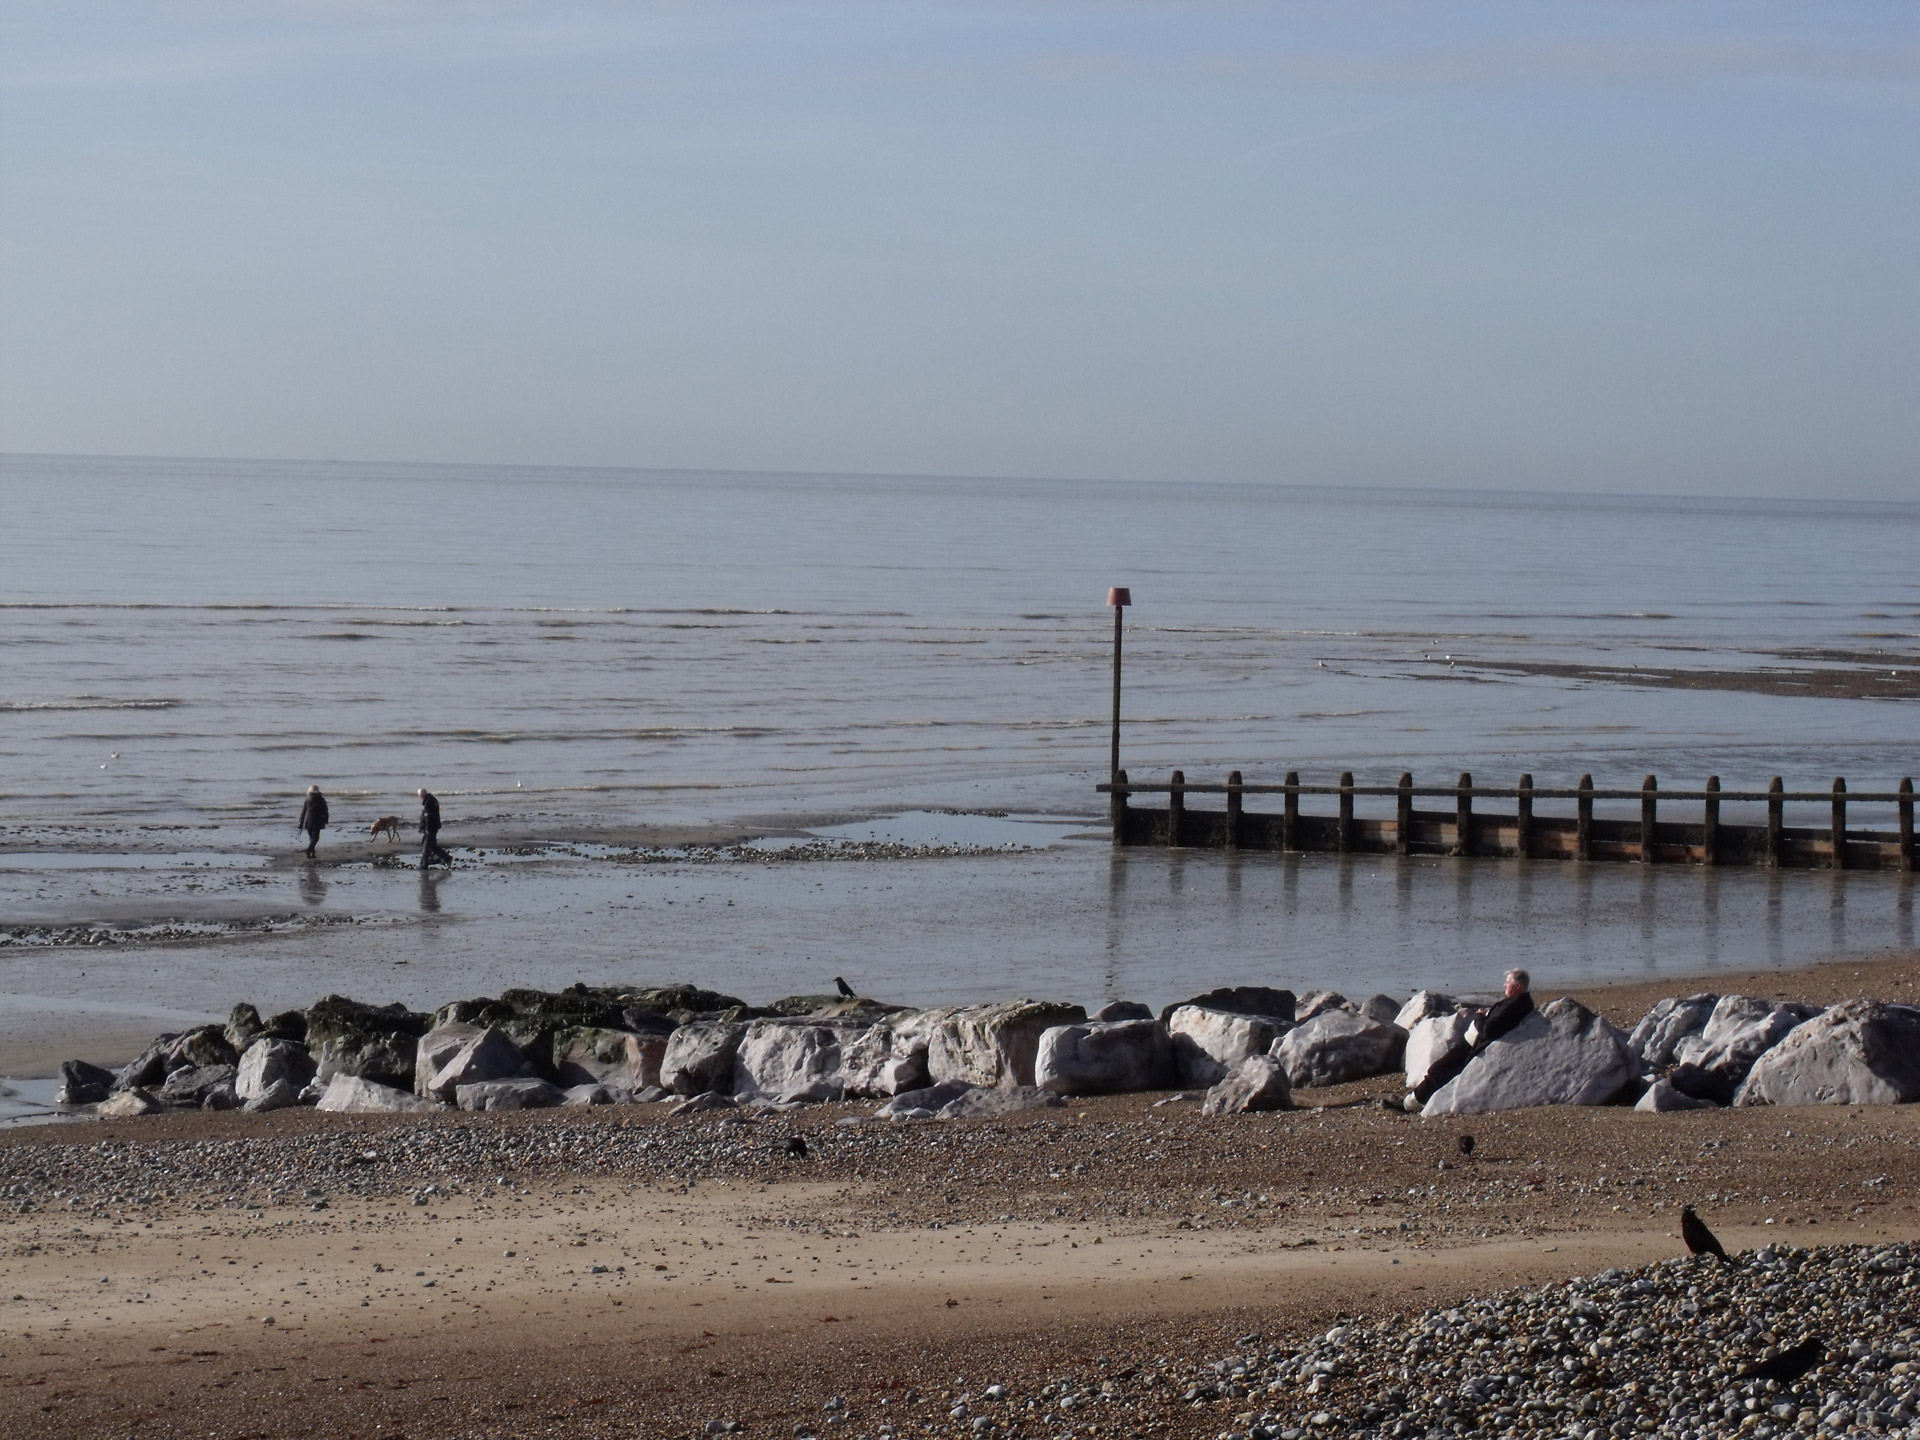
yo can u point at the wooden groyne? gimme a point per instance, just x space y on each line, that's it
1654 836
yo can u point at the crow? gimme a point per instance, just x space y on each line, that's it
1466 1145
846 990
797 1146
1700 1240
1788 1365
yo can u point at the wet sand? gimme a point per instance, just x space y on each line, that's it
1843 675
171 1274
1078 920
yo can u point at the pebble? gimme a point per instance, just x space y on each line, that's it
1652 1351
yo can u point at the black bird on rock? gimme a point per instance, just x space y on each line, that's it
1466 1145
846 990
1700 1240
1788 1365
797 1146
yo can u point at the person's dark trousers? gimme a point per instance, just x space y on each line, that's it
313 840
1442 1070
430 850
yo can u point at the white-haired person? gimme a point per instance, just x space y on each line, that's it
313 818
430 850
1488 1025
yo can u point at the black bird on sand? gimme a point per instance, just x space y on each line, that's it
846 990
1788 1365
1466 1145
797 1146
1700 1240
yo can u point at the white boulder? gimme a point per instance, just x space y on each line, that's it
1424 1005
267 1063
1257 1083
890 1058
132 1101
1383 1008
353 1095
526 1093
792 1059
925 1101
1670 1021
699 1057
594 1095
1312 1004
620 1059
1740 1030
979 1101
1861 1052
1430 1038
1562 1054
435 1048
1104 1058
992 1045
1336 1046
1661 1099
489 1055
1207 1043
279 1095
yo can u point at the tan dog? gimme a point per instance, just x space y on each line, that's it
388 823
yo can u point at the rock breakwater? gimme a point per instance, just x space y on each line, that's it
1248 1047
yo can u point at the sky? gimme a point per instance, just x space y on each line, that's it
1626 247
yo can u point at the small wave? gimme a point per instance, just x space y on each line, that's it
408 624
86 702
225 605
633 610
607 788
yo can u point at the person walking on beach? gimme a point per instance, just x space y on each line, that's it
430 850
313 817
1488 1026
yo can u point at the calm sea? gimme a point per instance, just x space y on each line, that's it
562 654
187 641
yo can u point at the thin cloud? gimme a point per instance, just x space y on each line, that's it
1576 61
214 43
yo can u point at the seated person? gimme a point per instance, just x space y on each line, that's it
1488 1026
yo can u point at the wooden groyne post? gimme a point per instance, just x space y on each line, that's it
1119 597
1467 830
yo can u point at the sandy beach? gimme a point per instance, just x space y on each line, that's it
616 1272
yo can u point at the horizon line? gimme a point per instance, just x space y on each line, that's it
923 477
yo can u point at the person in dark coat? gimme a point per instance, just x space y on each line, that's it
1488 1026
430 850
313 817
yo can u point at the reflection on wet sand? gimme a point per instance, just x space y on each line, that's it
1082 923
1403 923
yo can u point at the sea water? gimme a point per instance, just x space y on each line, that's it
568 656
